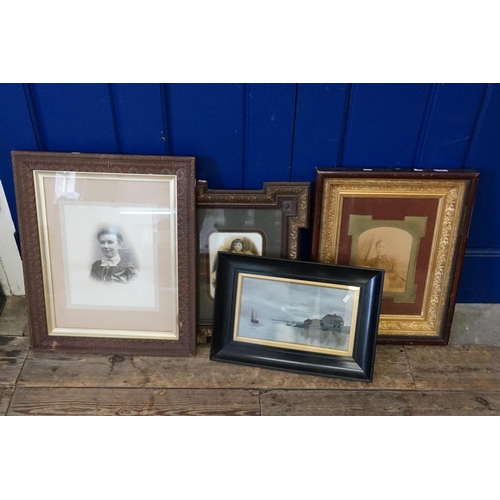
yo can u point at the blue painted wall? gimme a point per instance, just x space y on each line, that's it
244 134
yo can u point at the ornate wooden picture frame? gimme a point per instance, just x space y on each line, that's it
258 222
296 316
412 223
108 245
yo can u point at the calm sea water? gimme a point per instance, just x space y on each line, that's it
267 329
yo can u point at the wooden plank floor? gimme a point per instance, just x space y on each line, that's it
411 380
458 379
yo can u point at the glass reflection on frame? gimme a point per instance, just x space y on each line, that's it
296 314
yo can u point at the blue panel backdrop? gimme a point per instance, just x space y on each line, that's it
384 124
269 133
16 132
77 117
139 119
448 129
245 134
321 115
481 273
208 121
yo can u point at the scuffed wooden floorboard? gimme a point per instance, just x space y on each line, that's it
13 352
88 401
67 370
380 403
6 393
455 367
14 318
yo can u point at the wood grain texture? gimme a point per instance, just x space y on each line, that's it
455 367
70 401
13 352
6 393
14 318
380 403
24 164
64 370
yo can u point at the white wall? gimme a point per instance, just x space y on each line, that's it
11 271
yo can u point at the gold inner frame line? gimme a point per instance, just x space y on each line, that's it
290 345
39 177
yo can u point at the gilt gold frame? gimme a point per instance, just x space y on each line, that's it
431 209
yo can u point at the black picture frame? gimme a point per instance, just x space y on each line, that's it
316 346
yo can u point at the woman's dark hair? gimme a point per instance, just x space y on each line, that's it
110 230
237 240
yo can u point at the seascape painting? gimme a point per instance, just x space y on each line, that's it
296 314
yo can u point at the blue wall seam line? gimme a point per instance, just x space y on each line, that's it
293 131
349 91
34 114
423 135
114 116
166 119
245 135
482 252
477 124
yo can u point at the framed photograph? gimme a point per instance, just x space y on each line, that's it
296 316
253 222
412 223
108 245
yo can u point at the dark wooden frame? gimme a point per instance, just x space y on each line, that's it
459 187
24 165
225 348
291 198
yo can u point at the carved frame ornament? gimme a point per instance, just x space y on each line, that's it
442 200
64 315
288 201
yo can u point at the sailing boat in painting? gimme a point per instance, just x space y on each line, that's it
253 317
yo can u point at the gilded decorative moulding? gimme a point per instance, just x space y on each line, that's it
388 199
266 222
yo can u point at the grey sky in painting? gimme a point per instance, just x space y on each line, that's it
292 301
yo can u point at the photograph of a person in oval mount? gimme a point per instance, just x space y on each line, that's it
388 249
388 263
238 246
115 266
251 243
